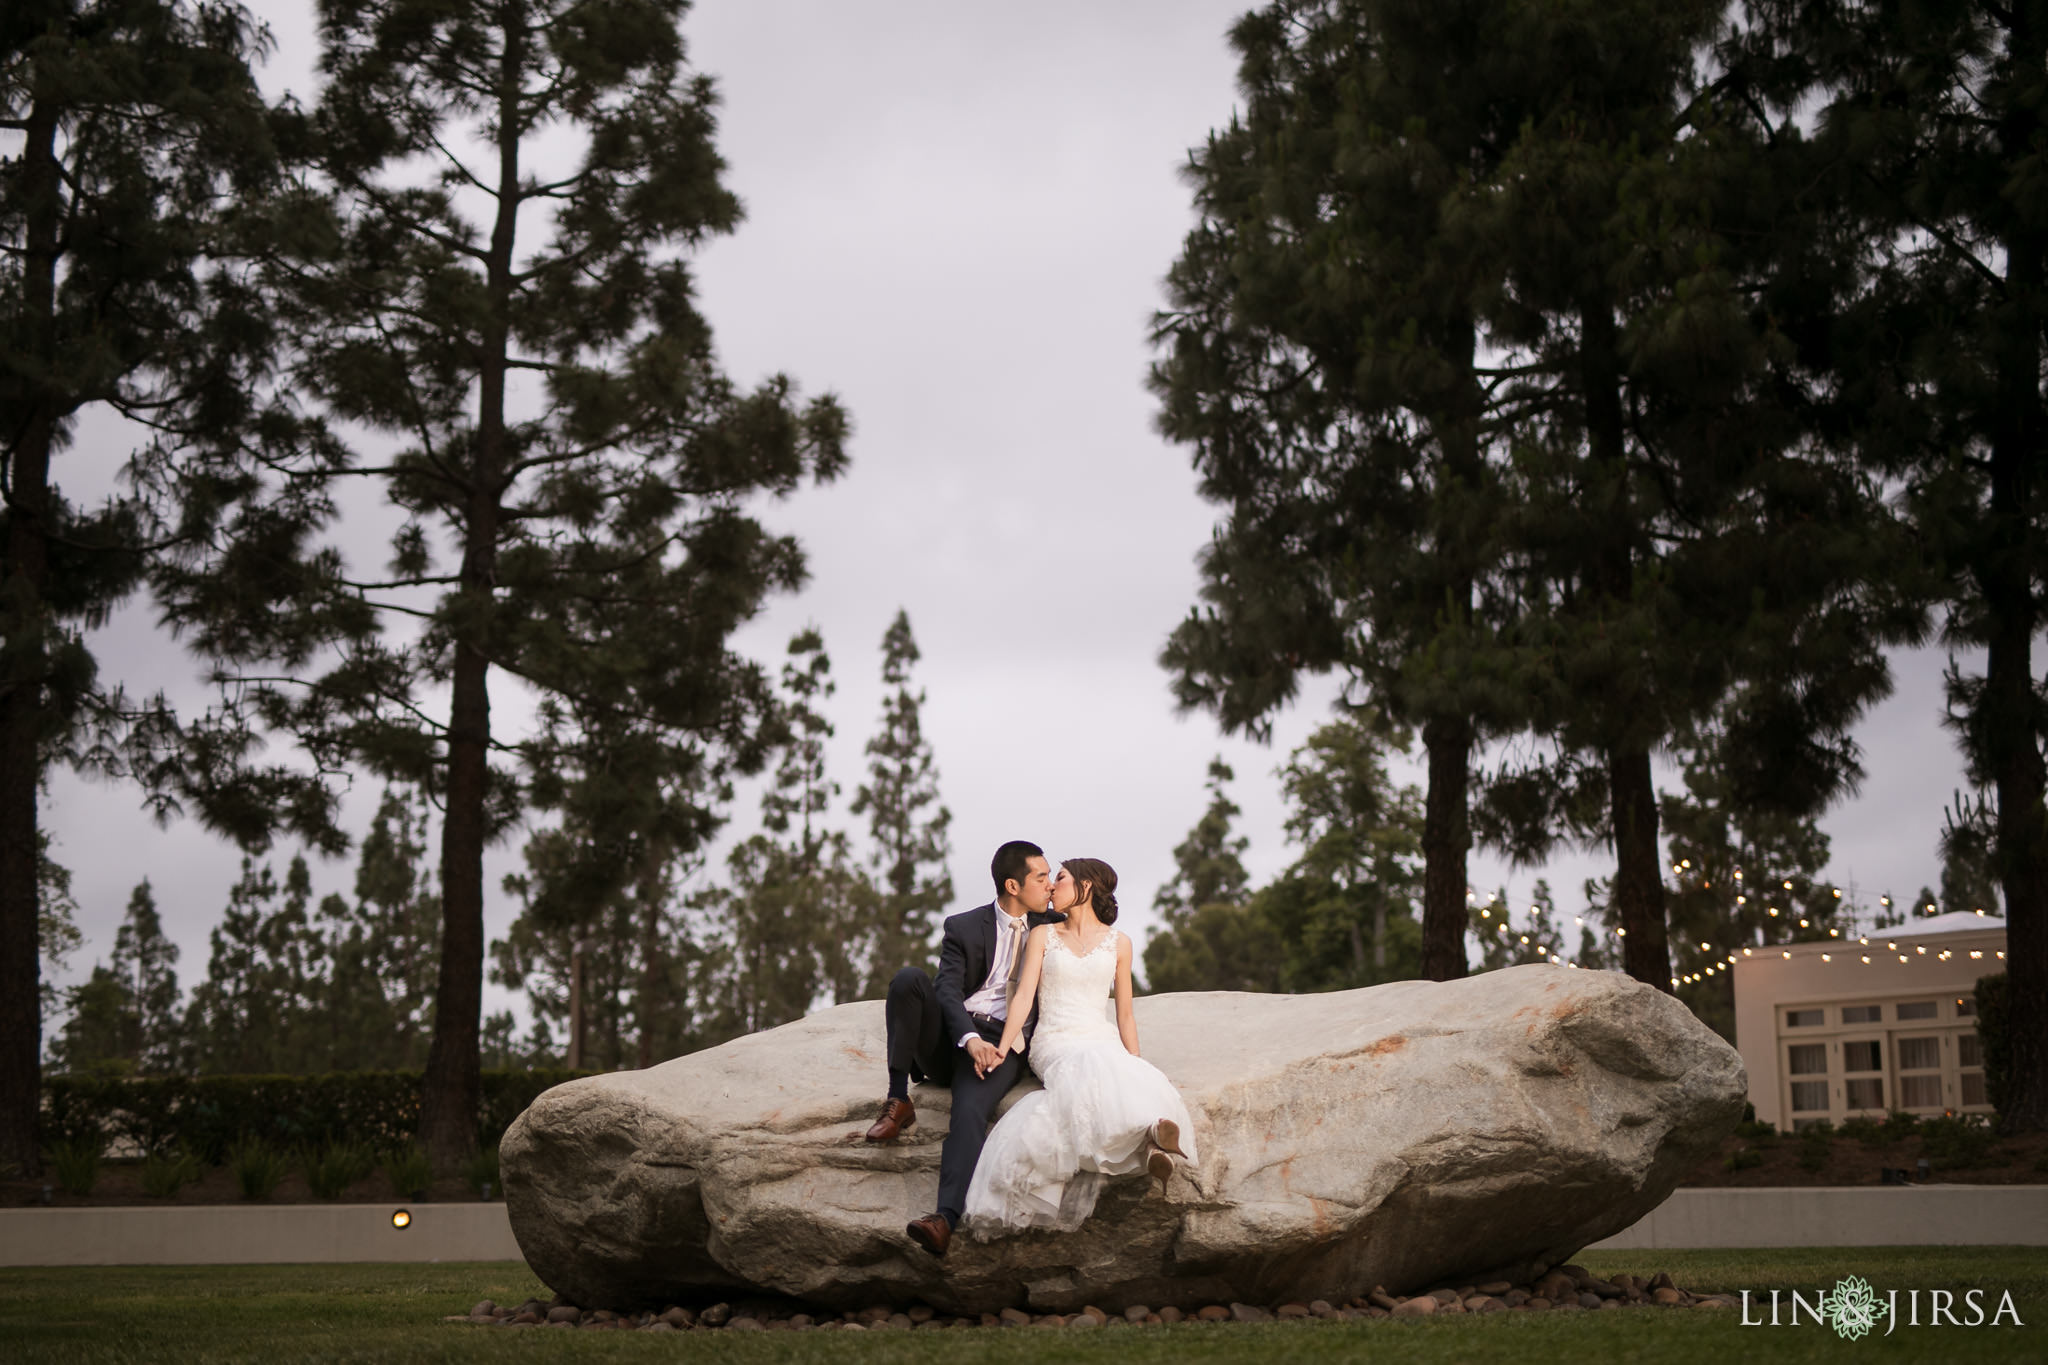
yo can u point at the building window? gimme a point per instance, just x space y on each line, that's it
1966 1008
1916 1009
1805 1018
1808 1059
1969 1050
1920 1092
1919 1054
1809 1097
1862 1014
1864 1056
1867 1093
1973 1088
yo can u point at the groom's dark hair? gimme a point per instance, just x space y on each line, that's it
1012 862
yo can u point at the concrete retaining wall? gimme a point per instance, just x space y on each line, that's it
1845 1216
254 1234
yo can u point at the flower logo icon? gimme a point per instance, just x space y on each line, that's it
1853 1308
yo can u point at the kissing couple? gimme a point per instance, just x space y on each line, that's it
1023 981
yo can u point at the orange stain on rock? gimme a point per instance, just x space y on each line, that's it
1393 1042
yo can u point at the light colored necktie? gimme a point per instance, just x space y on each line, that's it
1015 928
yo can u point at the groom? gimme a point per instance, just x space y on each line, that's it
947 1030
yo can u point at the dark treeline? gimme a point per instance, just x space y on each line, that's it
1585 383
1580 384
382 299
679 959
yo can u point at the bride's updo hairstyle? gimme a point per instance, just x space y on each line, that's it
1100 878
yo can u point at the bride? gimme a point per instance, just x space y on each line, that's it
1104 1111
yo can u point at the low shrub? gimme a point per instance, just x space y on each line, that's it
1993 995
1744 1159
1816 1143
1753 1130
165 1173
1867 1131
409 1171
333 1167
77 1163
209 1115
258 1166
483 1172
1959 1142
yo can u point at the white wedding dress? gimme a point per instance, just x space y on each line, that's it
1046 1161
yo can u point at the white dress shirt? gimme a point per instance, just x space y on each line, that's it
993 999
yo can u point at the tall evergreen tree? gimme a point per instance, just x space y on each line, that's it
1209 939
1361 836
573 470
907 824
134 130
57 934
1322 358
800 916
101 1036
1209 863
1930 121
143 960
1692 546
382 949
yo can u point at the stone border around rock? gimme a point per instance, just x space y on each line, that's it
1567 1289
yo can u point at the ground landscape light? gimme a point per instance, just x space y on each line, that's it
401 1219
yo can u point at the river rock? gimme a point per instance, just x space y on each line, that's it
1401 1136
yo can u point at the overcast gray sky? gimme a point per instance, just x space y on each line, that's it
958 217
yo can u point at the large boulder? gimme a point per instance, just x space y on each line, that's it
1404 1135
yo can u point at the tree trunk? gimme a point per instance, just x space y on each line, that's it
1632 794
1638 870
2013 726
1446 838
23 664
453 1088
650 953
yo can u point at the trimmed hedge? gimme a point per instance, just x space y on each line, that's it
1994 1042
208 1115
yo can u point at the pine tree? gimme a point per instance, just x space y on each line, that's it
1212 938
1929 122
907 824
800 916
101 1036
1695 551
134 133
1359 836
573 469
143 960
1208 864
1322 359
383 948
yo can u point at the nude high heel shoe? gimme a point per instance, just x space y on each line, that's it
1159 1166
1165 1135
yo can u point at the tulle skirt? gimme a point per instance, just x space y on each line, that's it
1048 1158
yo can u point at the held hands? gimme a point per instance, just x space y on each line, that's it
985 1055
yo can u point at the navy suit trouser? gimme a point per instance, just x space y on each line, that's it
918 1045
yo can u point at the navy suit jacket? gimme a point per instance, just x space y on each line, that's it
967 946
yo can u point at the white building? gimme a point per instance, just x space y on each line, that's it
1860 1027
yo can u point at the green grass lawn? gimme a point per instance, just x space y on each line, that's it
274 1314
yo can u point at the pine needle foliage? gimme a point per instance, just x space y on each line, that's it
499 339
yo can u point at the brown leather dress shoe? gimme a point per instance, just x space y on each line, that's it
930 1232
897 1116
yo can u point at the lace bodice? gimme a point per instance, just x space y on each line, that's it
1072 988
